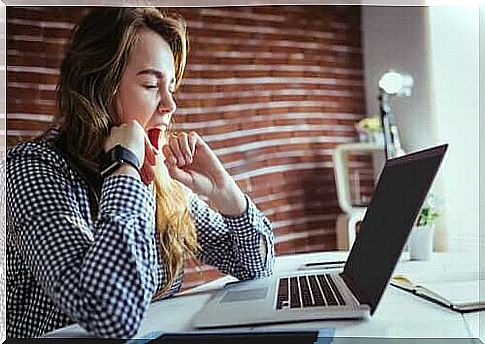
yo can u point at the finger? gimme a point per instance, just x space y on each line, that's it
137 125
180 175
192 142
169 156
137 128
174 146
183 139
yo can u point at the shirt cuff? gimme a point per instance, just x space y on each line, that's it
248 230
245 219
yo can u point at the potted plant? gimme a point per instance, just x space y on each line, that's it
421 237
369 130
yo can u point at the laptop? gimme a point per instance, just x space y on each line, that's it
356 291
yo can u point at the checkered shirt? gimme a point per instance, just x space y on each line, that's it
64 266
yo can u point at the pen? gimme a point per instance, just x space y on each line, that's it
323 264
332 267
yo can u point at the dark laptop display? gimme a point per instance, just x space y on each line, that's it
398 197
297 296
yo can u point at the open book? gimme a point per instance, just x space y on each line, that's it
461 296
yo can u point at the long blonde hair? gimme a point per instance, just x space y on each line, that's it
90 73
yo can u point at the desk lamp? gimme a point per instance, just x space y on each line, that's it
392 84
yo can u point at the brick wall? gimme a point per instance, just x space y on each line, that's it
272 89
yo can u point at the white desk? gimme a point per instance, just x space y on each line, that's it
399 314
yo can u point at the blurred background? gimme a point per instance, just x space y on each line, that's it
275 89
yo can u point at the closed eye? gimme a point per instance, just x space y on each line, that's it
150 86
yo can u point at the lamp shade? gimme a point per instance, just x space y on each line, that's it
398 84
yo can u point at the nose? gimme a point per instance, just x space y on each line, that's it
167 104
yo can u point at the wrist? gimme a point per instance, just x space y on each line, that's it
230 202
127 170
116 158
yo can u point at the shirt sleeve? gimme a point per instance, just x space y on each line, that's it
102 277
233 244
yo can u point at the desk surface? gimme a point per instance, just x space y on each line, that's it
399 314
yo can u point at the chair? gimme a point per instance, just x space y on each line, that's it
347 223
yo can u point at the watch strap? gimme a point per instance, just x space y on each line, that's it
116 157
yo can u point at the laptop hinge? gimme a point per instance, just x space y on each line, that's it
360 295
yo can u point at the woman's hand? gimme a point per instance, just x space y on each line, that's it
132 136
191 161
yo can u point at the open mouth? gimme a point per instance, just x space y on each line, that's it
154 137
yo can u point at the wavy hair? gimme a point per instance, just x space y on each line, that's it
90 73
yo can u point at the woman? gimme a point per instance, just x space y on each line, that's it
92 238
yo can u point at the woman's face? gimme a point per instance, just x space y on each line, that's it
145 92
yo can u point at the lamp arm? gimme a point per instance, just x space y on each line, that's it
385 112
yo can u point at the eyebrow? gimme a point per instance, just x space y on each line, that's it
154 72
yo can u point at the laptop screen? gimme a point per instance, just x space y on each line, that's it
396 201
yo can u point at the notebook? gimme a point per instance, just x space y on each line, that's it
461 296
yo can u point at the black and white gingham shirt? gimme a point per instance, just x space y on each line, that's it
65 266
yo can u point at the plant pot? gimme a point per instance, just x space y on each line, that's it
421 242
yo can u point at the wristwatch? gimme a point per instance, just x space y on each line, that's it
116 157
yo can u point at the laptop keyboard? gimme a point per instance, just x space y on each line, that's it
308 291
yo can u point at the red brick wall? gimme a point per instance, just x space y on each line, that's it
272 89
